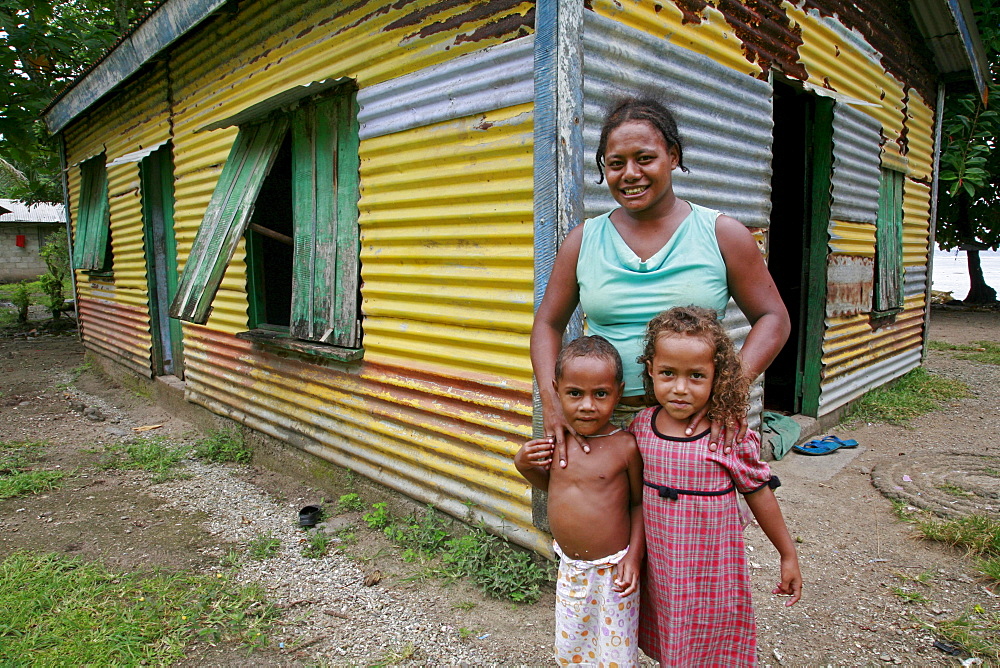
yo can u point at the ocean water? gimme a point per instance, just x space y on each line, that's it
951 271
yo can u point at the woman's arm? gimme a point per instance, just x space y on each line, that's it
562 294
753 290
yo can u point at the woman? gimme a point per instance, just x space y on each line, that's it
652 253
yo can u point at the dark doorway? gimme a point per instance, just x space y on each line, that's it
798 243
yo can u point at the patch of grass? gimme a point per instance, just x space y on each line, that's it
975 631
16 476
225 445
154 453
29 482
316 546
63 611
498 569
990 567
392 657
954 490
350 503
347 536
913 394
464 605
977 534
263 546
425 534
231 559
379 517
909 596
986 352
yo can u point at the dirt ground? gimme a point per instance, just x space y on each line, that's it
856 556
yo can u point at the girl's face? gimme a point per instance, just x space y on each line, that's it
682 370
638 166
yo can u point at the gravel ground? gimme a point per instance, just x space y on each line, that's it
859 561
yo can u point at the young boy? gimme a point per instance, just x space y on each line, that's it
595 511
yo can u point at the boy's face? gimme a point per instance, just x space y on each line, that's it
588 393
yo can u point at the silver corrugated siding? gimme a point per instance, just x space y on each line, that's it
494 78
854 185
724 116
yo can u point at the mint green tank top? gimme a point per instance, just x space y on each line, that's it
620 294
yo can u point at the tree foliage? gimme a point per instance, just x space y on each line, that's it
969 180
44 45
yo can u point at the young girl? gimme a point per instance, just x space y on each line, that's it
696 590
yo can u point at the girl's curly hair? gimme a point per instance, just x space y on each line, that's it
730 388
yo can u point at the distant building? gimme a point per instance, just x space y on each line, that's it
23 229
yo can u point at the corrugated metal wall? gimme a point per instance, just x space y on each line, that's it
114 311
840 52
442 398
724 119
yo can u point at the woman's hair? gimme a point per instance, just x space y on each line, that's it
591 346
644 108
730 388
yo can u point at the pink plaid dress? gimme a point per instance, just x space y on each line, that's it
696 608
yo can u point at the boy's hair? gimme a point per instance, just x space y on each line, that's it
591 346
730 388
645 108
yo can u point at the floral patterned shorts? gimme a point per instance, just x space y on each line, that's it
595 625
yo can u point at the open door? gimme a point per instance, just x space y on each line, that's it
798 243
157 183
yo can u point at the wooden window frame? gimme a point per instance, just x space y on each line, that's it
888 297
325 317
92 237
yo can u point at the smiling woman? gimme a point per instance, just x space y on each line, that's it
653 252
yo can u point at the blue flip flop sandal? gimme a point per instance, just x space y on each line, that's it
817 446
841 442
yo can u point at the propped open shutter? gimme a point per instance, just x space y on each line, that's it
226 218
889 243
324 283
92 228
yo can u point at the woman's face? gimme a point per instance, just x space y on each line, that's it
638 168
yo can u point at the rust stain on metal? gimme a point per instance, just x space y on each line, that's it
691 10
889 27
849 285
769 38
477 13
512 26
384 9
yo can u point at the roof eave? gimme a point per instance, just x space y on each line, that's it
164 26
949 26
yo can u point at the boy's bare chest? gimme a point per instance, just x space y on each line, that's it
602 464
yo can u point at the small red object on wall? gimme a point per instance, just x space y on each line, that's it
20 241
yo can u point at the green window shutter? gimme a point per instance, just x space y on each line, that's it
94 220
888 287
325 214
226 218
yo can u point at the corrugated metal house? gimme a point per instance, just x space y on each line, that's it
23 229
333 219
